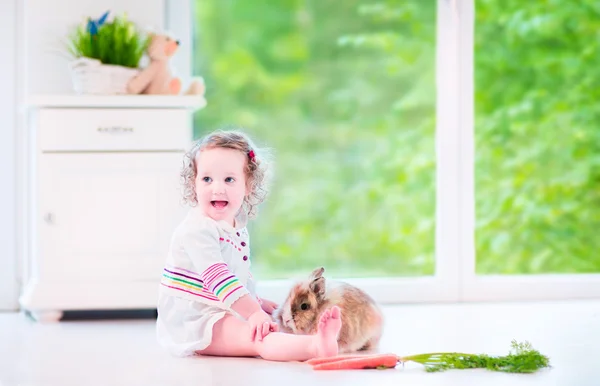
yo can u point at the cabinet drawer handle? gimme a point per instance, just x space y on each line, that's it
115 129
49 217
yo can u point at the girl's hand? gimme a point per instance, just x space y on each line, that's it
261 325
268 306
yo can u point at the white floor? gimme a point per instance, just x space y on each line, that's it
125 352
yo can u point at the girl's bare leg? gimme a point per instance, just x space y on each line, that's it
232 337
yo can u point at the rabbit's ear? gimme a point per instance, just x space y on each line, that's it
317 286
317 273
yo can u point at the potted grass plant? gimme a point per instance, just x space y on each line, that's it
106 54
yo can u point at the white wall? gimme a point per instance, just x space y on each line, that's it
32 33
8 260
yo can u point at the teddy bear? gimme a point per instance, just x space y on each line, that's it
156 78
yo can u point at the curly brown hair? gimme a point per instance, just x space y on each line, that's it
257 167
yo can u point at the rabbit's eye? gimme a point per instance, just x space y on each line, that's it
304 306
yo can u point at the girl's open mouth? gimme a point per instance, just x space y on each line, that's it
219 204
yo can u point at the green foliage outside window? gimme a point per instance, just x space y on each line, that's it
344 92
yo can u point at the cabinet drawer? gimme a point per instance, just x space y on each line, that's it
114 129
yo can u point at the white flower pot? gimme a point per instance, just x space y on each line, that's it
90 76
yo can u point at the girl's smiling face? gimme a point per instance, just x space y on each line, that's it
220 182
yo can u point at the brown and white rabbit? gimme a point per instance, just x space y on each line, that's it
362 320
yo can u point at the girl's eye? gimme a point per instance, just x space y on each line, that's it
206 179
229 179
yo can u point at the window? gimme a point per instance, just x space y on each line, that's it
537 138
344 92
532 163
432 150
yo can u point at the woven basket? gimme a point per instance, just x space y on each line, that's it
90 76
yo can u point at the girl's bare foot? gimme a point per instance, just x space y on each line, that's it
330 324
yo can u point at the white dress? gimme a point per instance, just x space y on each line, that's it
207 269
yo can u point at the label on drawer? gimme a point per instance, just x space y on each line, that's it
114 130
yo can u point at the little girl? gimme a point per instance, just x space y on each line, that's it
207 301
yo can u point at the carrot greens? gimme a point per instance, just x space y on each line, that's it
523 358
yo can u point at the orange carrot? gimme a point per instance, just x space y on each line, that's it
367 362
316 361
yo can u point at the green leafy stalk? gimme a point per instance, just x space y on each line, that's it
523 359
117 42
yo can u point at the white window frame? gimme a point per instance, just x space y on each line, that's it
455 278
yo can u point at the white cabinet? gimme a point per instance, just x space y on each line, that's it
104 200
